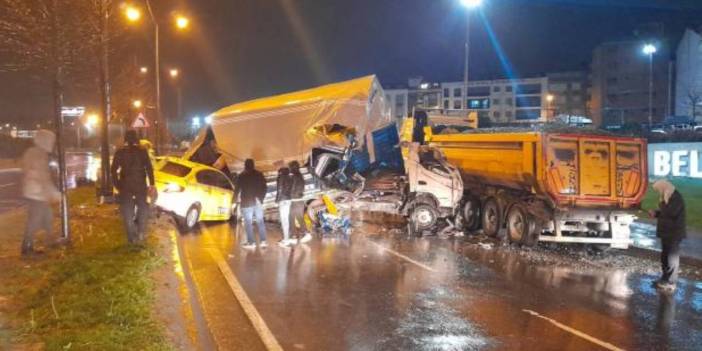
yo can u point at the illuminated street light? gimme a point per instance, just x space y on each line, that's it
649 49
549 97
182 22
91 121
196 122
137 103
174 73
471 3
144 70
132 13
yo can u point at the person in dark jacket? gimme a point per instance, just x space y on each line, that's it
251 189
671 229
131 166
282 197
297 206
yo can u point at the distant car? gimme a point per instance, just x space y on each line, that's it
193 192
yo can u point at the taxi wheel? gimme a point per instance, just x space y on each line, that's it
191 219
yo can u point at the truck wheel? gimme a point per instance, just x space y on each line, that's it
471 214
519 225
491 217
423 217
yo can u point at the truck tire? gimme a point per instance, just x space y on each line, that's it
520 225
471 214
491 217
423 217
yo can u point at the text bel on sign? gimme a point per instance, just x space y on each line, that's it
678 163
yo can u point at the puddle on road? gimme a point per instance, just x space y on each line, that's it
429 323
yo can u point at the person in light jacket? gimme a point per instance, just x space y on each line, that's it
38 188
282 197
671 229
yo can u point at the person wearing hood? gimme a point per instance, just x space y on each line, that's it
131 166
38 188
251 188
671 229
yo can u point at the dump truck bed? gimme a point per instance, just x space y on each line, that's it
572 170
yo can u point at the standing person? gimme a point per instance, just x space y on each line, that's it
282 197
251 187
130 169
38 188
297 207
671 229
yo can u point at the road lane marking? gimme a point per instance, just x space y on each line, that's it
587 337
393 252
6 185
258 323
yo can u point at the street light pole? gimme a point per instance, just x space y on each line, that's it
466 61
157 80
106 181
469 5
650 88
650 49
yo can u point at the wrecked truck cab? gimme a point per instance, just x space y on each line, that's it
434 187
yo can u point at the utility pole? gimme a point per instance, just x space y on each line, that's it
106 181
58 120
157 81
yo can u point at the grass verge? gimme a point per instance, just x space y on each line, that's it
96 295
691 190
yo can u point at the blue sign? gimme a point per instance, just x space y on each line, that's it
672 160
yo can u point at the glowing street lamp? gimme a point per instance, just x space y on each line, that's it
182 22
471 3
132 13
91 121
174 73
144 70
137 104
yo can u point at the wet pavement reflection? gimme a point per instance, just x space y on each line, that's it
379 290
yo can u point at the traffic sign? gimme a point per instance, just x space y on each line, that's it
140 121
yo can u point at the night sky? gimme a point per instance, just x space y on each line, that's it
244 49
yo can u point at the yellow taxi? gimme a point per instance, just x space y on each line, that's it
193 192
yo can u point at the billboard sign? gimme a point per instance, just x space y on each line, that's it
72 111
675 160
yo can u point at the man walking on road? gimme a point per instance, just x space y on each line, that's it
297 207
282 197
38 188
672 229
251 188
130 169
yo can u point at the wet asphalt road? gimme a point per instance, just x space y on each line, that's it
375 291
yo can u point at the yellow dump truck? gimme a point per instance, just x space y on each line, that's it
548 186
